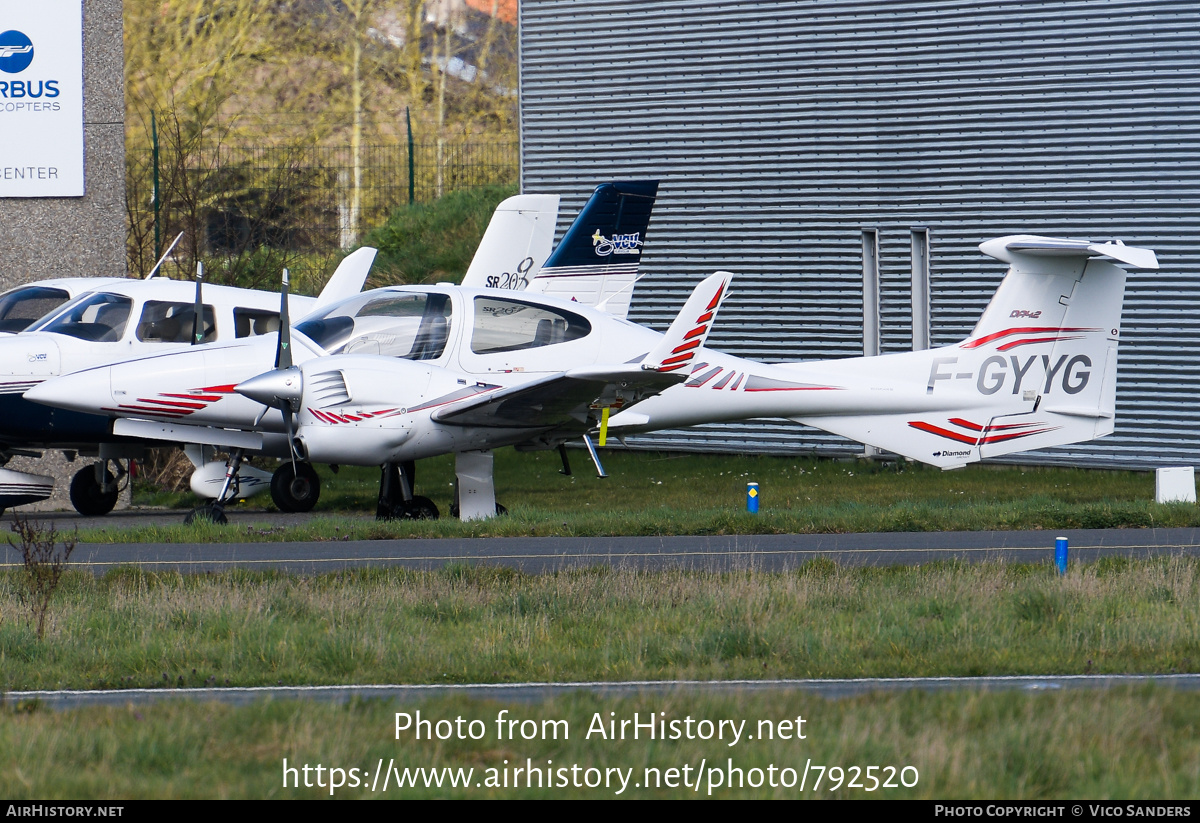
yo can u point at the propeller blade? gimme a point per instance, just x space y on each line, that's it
198 311
283 354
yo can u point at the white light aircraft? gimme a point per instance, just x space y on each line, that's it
109 319
413 372
58 339
596 263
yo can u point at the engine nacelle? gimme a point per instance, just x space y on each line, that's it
351 445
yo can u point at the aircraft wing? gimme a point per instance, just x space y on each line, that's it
564 399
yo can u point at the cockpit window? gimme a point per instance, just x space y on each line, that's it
510 325
20 307
99 316
254 322
411 325
164 322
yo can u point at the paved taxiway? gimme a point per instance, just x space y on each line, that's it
541 554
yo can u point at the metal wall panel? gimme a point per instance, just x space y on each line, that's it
780 130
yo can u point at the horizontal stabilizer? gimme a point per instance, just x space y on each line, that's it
1030 245
950 440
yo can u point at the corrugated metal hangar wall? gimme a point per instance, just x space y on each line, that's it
782 131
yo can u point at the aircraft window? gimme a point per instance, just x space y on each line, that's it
510 325
253 322
99 317
20 307
164 322
412 325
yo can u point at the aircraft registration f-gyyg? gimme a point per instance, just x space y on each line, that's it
399 374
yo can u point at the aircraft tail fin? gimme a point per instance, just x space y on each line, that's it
596 263
691 326
516 243
1039 369
347 279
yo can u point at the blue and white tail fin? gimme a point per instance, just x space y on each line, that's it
597 261
516 244
1039 369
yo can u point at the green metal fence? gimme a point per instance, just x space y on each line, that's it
248 211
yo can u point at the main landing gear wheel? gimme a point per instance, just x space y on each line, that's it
295 490
210 512
396 483
88 496
419 508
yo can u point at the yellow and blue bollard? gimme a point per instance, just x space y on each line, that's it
752 498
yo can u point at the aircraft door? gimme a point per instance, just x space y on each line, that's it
508 335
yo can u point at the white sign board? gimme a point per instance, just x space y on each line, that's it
41 98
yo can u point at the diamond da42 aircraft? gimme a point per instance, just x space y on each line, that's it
55 327
398 374
87 321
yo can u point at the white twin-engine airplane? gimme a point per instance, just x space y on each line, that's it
54 327
398 374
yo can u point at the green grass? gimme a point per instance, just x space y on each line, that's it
1129 744
429 242
664 494
470 624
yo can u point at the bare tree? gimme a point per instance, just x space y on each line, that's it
44 561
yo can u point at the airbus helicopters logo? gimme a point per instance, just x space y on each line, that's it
617 244
16 52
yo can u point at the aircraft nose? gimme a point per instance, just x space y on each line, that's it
273 387
87 391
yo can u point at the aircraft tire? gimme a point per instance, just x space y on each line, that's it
295 492
86 495
419 508
208 513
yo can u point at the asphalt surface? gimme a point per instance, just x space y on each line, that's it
537 692
543 554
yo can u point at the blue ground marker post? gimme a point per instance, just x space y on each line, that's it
1060 554
752 498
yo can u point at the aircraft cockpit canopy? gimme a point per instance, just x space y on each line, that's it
406 324
21 307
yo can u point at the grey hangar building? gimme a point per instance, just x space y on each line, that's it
845 158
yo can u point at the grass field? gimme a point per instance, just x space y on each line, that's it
468 624
662 494
465 624
1135 744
